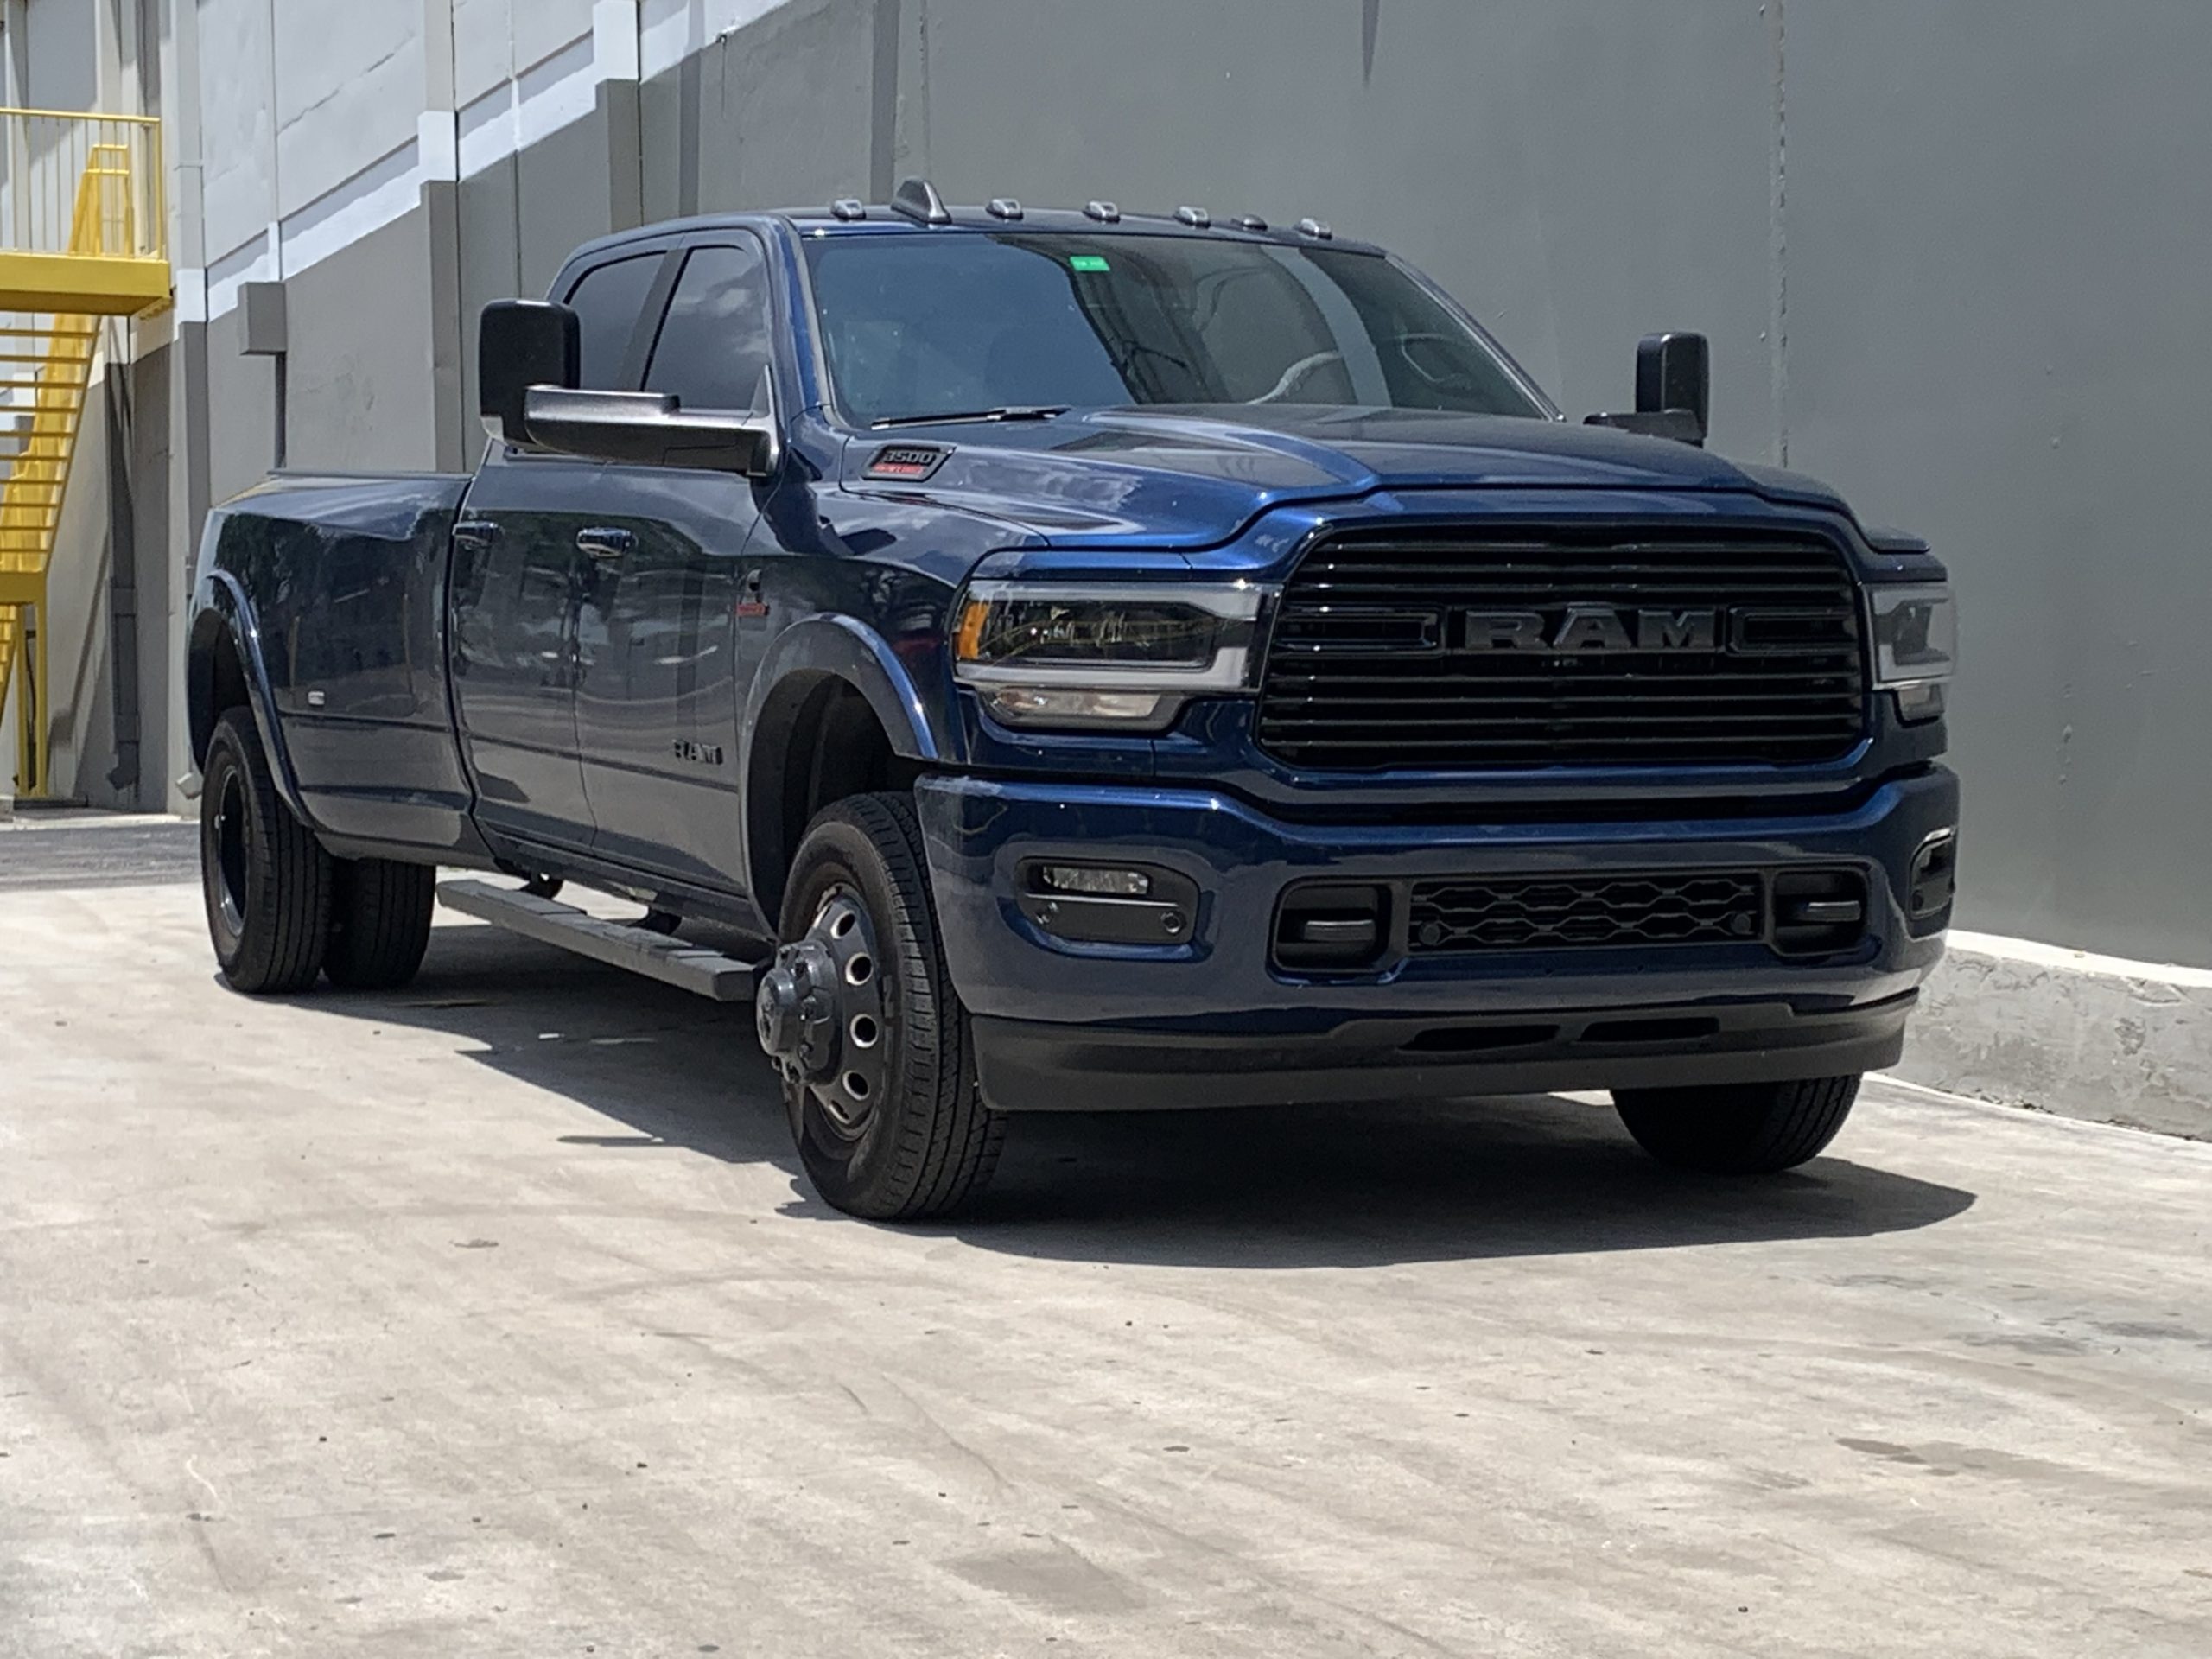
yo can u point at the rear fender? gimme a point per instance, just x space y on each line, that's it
225 613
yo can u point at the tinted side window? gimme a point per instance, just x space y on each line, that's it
713 349
607 299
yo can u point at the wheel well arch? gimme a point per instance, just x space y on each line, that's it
215 680
817 741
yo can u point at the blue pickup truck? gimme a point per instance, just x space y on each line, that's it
1100 661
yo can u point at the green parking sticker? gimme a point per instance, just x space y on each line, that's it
1088 261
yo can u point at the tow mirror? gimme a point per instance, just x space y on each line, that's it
521 344
1674 390
649 428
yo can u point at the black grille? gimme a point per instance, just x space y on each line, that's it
1551 912
1712 648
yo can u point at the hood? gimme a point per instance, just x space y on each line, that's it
1180 477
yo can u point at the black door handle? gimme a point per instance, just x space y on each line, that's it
476 532
603 541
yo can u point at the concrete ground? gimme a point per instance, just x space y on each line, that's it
43 846
489 1319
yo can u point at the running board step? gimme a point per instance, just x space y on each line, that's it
656 956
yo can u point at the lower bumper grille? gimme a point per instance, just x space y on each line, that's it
1569 913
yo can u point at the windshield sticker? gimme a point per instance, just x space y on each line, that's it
1088 261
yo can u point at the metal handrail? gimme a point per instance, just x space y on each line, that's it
56 163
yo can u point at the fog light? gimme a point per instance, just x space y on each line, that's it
1818 911
1920 702
1107 903
1081 878
1329 926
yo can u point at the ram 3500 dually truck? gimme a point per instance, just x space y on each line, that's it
1103 661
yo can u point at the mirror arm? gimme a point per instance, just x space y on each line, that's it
1682 425
650 429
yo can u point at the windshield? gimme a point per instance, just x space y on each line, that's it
964 324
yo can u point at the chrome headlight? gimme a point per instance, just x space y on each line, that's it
1103 656
1915 634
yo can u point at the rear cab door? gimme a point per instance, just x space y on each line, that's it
520 572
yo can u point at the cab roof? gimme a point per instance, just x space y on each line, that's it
916 206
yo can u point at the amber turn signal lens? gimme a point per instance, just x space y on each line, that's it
967 638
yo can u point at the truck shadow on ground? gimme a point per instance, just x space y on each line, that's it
1284 1188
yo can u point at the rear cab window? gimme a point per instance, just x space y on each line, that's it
608 300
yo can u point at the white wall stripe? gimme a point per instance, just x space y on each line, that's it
556 91
251 261
372 198
485 129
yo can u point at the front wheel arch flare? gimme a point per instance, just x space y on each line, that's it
817 739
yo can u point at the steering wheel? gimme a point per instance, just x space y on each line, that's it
1296 372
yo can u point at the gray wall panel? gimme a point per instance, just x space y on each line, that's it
360 329
490 268
155 581
1576 172
1999 224
775 113
563 192
516 222
80 706
1952 258
241 403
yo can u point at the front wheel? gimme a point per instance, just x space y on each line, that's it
1743 1128
859 1015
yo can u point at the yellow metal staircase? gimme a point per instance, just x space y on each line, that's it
61 273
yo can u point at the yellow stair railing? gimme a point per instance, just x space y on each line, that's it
55 287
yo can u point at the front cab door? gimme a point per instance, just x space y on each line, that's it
658 689
519 581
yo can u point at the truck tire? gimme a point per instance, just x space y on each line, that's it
379 922
263 875
859 1015
1745 1128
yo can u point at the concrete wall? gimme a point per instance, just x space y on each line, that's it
779 110
1952 258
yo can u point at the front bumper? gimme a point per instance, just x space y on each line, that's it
1215 1020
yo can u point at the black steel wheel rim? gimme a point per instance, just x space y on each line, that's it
229 835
